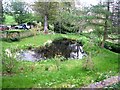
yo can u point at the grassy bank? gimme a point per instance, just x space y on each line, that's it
56 73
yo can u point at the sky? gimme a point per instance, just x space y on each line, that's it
86 2
80 4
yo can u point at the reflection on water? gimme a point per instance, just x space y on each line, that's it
27 55
65 47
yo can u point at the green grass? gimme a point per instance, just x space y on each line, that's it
37 40
46 74
9 20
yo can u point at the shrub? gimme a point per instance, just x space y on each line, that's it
65 27
58 59
13 34
89 46
88 63
9 63
83 39
113 47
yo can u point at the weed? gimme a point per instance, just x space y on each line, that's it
88 63
9 63
102 76
57 61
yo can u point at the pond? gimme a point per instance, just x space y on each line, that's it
68 48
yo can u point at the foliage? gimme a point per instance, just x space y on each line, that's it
57 61
12 35
93 38
102 76
98 15
9 20
88 63
51 27
58 72
9 63
2 18
69 75
113 47
115 13
19 10
90 44
27 17
70 20
17 34
98 31
47 10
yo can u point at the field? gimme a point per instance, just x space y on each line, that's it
54 73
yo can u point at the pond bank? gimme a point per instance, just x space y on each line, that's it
67 48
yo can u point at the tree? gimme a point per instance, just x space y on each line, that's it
115 16
70 19
19 10
64 22
98 16
47 10
1 12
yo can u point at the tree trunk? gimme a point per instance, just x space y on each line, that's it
105 35
106 27
45 24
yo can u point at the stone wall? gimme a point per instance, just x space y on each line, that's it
5 35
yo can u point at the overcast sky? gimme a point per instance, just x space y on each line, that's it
86 2
78 4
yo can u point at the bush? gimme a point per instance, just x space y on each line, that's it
58 59
12 35
88 63
65 27
93 37
83 39
9 63
113 47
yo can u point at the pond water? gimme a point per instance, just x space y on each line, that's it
28 55
65 47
